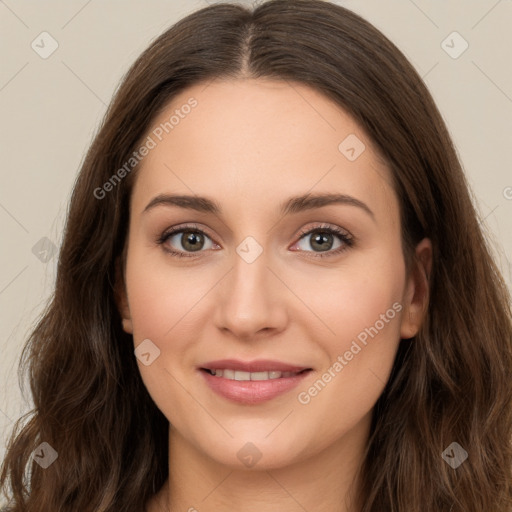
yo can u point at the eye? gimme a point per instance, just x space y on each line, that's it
327 239
184 241
187 239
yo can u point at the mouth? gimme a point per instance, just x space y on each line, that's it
252 382
240 375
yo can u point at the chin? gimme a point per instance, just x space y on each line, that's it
258 454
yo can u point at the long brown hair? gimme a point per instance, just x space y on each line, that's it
451 383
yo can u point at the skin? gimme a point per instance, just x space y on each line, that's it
250 144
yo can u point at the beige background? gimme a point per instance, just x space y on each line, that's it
51 107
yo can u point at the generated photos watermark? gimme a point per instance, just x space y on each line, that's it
343 360
151 142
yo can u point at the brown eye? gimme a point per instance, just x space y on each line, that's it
192 240
330 240
185 240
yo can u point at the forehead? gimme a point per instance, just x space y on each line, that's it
258 141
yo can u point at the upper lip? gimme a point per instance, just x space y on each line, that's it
258 365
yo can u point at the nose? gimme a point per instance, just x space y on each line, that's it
251 300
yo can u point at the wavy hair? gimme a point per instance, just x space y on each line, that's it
449 383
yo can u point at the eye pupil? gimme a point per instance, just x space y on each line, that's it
324 241
193 239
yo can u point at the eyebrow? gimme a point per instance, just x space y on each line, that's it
292 205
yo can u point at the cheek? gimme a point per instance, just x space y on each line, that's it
160 296
352 298
360 324
358 366
162 303
167 307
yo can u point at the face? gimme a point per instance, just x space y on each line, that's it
252 275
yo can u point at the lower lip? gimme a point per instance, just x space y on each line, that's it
252 391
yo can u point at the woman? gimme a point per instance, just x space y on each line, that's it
273 292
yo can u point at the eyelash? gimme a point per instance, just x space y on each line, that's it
346 239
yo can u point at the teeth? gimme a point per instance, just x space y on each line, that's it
241 376
259 376
230 374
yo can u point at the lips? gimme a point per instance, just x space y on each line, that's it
252 382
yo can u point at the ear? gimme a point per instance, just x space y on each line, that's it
121 296
416 296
